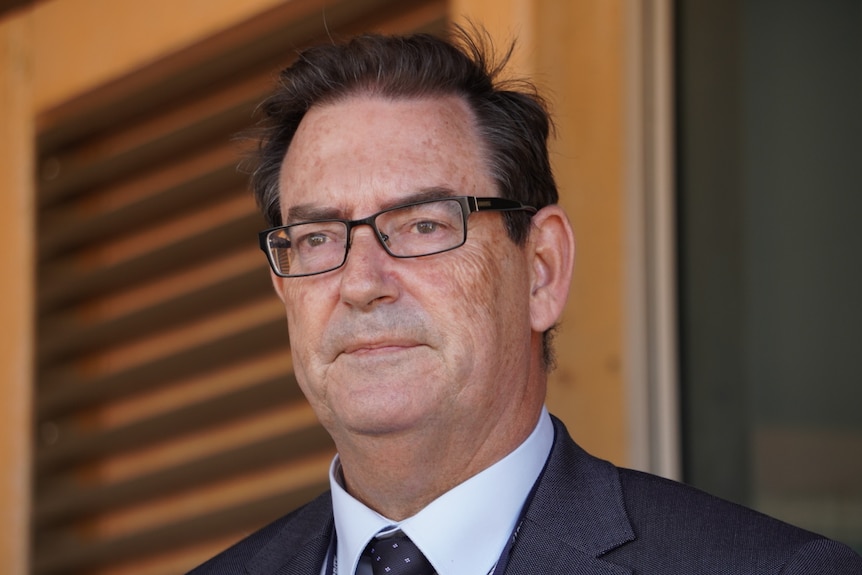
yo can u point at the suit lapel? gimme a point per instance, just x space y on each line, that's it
301 545
576 515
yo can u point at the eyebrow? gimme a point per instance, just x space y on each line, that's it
310 212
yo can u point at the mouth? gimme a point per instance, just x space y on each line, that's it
378 347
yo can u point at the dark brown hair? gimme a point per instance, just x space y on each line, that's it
512 118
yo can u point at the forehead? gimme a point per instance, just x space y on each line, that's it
364 152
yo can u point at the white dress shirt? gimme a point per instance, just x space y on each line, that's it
479 514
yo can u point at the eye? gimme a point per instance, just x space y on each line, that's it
427 227
315 240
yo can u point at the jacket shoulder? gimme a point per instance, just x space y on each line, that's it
681 525
309 525
645 524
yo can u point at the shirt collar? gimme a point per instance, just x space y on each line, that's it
462 532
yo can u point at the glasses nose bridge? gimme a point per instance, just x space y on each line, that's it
371 222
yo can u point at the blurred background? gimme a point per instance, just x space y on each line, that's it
709 153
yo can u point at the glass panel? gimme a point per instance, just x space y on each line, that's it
770 135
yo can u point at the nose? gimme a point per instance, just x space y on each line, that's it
366 277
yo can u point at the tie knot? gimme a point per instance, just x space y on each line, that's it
397 555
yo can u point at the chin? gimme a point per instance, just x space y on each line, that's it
385 421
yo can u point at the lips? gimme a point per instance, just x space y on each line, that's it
372 346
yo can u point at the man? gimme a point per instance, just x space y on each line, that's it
423 262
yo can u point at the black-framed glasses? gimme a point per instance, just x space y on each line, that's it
407 231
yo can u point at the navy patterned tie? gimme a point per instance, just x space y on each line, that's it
397 556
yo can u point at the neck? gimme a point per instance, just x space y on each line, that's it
412 469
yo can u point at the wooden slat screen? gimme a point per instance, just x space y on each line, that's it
168 420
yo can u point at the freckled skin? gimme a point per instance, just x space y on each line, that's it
429 366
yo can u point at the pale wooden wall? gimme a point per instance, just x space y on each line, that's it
120 37
60 49
16 289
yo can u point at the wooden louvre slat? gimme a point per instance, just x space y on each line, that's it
81 446
70 502
151 139
219 451
169 186
77 554
169 423
141 308
213 342
148 250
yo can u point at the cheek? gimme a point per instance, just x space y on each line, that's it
485 324
482 300
477 279
306 310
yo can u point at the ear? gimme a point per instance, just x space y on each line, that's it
552 253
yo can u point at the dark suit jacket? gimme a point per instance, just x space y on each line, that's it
588 518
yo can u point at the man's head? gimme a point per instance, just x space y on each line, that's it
449 346
511 118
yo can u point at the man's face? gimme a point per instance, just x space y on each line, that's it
438 344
